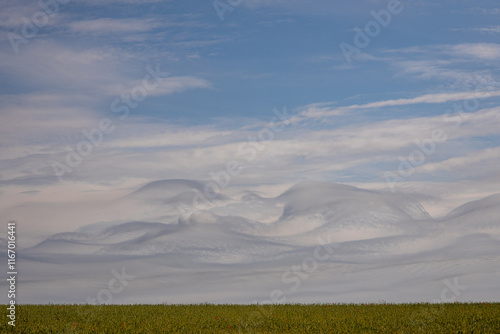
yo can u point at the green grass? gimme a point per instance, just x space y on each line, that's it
289 318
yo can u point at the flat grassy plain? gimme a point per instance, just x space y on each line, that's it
287 318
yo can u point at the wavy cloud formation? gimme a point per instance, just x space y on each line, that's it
314 242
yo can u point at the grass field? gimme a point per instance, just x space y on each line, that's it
297 318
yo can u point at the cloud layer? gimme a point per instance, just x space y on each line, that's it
314 242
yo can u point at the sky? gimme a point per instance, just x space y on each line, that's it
101 100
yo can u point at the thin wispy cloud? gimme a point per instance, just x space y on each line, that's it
323 110
113 26
488 51
486 30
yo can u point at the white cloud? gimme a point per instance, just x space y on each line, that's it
57 68
111 26
13 12
486 51
470 162
488 30
431 69
323 110
364 233
131 2
51 66
166 86
451 64
492 29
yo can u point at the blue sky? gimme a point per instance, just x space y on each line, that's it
353 120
